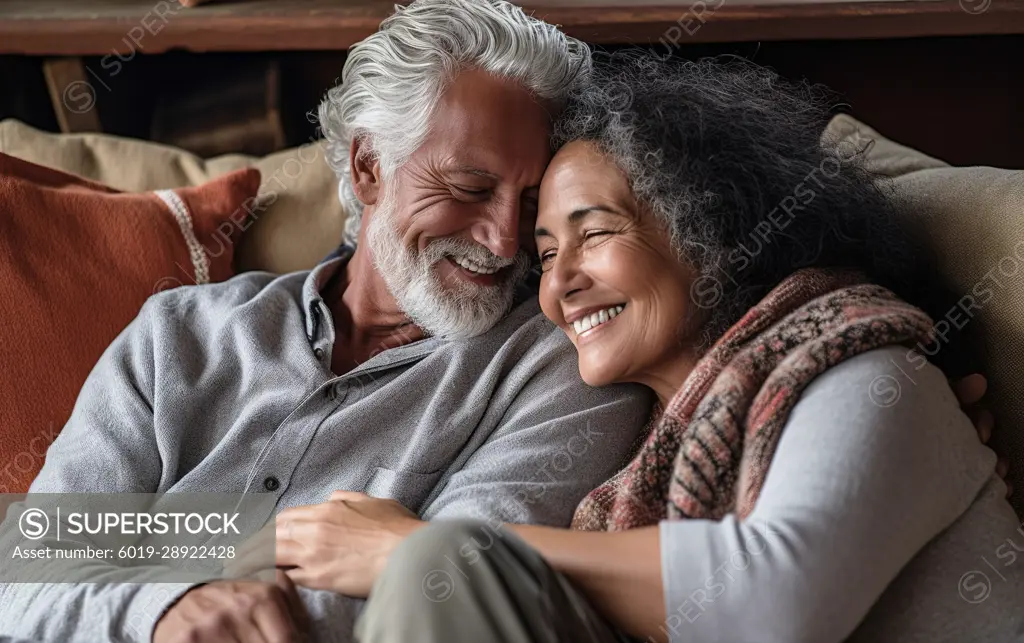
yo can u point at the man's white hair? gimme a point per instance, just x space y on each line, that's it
393 80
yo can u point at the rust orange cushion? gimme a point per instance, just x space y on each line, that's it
77 261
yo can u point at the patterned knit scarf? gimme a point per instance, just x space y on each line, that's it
709 451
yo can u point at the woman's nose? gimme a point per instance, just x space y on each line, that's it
567 276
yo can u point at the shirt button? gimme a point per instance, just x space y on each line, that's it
271 484
319 353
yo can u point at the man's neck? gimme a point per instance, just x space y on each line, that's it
367 318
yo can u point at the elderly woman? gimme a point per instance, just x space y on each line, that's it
809 475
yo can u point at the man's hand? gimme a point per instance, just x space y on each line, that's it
244 611
969 392
341 545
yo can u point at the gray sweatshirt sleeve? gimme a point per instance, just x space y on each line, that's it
108 445
875 461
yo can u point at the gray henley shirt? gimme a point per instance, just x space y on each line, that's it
228 388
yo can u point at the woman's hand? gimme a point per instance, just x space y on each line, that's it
341 545
969 392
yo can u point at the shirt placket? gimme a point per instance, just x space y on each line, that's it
276 468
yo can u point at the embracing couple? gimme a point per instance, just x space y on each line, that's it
598 362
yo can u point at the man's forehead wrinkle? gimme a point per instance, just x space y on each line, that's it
420 171
459 142
468 161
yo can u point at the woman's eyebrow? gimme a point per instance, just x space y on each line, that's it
581 213
578 215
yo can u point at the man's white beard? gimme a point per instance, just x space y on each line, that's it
456 310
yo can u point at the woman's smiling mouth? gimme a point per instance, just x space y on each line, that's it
588 321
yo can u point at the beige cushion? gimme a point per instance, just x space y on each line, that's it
303 220
885 157
973 218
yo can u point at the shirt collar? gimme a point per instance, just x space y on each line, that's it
312 301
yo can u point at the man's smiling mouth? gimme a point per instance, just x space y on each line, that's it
474 267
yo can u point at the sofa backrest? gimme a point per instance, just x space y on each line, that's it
973 220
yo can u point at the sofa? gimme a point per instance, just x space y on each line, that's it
972 219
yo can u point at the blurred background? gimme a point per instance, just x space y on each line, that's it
943 76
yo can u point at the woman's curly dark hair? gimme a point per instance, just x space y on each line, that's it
729 156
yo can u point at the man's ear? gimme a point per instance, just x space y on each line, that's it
365 170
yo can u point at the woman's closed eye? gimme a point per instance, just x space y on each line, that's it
546 257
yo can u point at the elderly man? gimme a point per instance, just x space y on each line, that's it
413 366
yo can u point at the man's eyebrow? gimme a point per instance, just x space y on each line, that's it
577 215
475 171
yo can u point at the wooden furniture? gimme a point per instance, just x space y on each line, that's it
101 27
221 114
71 95
943 76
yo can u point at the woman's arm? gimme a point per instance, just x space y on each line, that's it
619 572
860 483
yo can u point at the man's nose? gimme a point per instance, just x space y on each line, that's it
498 230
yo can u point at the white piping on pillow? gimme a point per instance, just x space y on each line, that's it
200 262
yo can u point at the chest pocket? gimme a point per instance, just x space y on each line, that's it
407 487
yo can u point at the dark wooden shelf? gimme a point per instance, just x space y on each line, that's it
100 27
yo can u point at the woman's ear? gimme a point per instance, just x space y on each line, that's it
365 172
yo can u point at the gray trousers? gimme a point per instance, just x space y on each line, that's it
458 581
